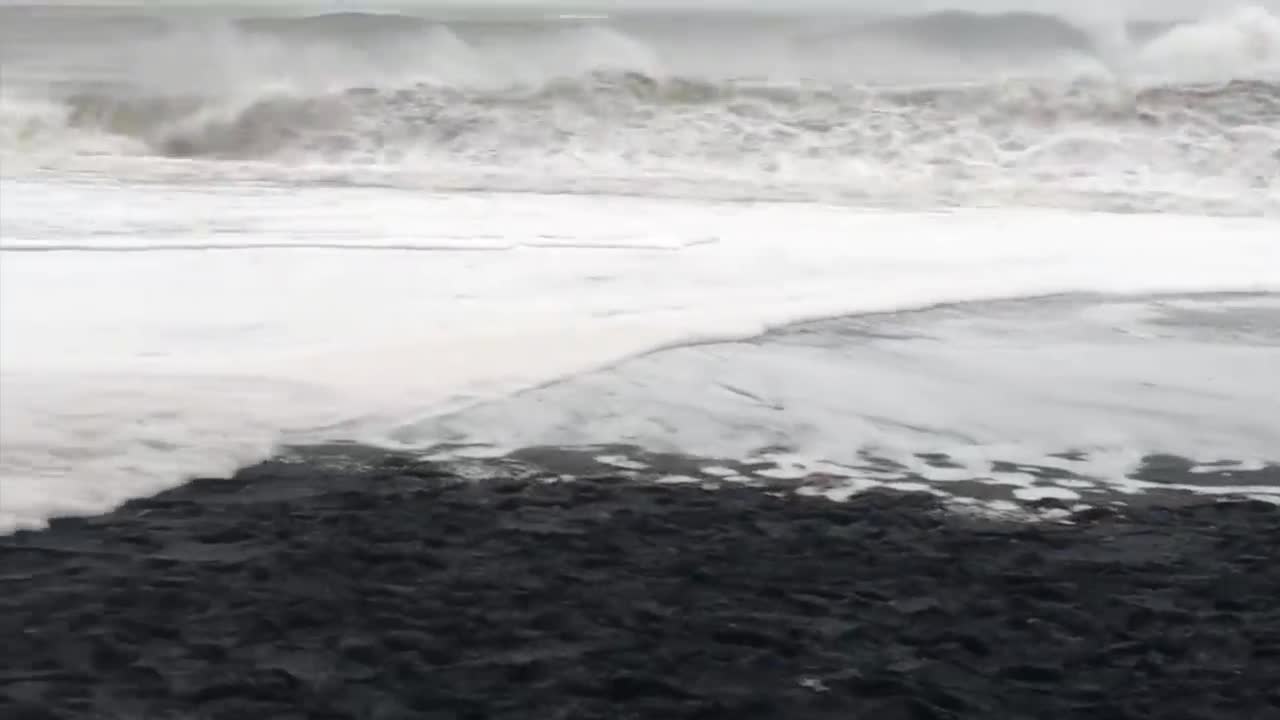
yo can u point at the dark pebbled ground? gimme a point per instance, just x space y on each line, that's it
296 591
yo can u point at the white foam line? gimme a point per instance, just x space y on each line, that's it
621 462
115 368
1045 493
1271 494
467 245
232 247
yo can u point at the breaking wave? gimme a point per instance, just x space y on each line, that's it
1177 106
958 30
950 30
1250 28
612 106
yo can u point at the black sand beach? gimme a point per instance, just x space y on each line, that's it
766 361
403 590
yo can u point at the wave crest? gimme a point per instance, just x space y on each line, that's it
959 30
195 127
581 111
337 23
594 100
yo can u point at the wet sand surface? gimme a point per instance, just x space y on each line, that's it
391 587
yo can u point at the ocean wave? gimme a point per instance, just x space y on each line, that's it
337 23
590 100
682 43
950 30
743 116
947 31
959 30
1087 135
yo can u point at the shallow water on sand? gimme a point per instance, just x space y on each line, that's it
290 246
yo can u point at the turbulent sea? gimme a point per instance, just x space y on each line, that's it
946 251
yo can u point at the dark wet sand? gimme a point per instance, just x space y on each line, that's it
311 590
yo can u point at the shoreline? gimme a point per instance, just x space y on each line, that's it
1049 488
389 587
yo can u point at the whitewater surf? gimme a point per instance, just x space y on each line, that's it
551 195
456 361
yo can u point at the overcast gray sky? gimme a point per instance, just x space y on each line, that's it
1147 8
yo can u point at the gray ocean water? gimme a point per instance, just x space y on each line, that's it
947 107
227 228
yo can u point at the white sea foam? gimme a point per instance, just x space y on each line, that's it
999 110
124 372
985 386
1249 36
218 234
